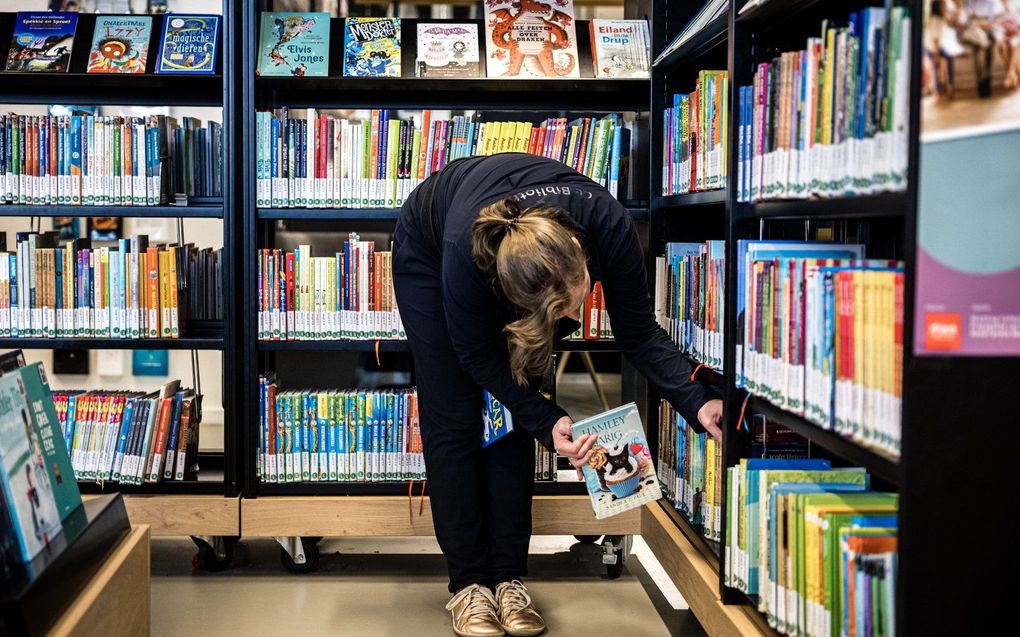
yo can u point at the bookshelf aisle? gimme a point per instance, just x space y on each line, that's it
202 504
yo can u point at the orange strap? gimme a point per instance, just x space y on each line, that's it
377 361
696 370
410 501
743 408
421 499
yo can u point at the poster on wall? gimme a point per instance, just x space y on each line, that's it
967 300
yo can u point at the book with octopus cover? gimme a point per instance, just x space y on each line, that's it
529 39
620 474
294 44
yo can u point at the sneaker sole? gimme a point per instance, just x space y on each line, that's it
529 633
460 634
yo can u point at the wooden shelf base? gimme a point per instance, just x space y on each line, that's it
179 515
367 516
696 575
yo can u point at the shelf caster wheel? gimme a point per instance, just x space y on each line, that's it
587 539
615 549
299 555
214 552
315 539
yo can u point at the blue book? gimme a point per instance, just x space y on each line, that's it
42 41
294 44
125 427
372 47
496 419
190 44
15 307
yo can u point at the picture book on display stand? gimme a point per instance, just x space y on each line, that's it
447 50
120 44
190 44
42 42
372 47
529 40
294 44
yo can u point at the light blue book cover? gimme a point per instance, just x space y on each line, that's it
496 419
621 473
294 44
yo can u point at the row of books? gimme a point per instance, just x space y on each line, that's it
97 160
822 335
689 467
830 119
43 42
347 295
316 160
131 437
813 545
689 296
696 136
594 318
130 290
298 45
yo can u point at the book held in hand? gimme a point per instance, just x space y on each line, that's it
190 43
42 41
621 474
294 44
530 40
447 50
120 44
372 47
496 418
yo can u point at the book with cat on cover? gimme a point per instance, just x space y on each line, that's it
190 44
620 474
294 44
120 44
42 41
447 49
372 47
529 39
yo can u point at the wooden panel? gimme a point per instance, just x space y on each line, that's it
115 600
175 515
366 516
693 575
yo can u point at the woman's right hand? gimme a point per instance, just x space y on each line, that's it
578 452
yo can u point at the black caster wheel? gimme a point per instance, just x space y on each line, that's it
207 560
311 550
315 539
614 571
587 539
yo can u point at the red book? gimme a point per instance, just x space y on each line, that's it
377 282
159 448
897 388
593 313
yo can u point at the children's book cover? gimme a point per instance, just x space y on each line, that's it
620 474
447 50
294 44
496 418
23 474
372 47
528 39
190 44
120 44
42 41
620 48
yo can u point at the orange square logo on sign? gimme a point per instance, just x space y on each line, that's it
942 331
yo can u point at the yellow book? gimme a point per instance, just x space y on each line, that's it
856 390
526 127
172 292
827 87
709 518
164 302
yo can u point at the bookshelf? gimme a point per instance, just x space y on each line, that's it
209 505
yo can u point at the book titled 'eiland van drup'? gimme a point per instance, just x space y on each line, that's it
620 474
42 41
190 44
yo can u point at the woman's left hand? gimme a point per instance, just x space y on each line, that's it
710 417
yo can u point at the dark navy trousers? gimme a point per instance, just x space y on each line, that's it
481 498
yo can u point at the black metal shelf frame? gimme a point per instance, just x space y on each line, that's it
168 212
364 214
114 343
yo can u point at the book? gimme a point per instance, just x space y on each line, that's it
27 490
294 44
530 40
496 419
42 41
689 298
447 49
621 473
687 467
120 44
695 136
190 44
372 47
620 48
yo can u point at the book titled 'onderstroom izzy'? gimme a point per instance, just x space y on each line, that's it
620 474
190 43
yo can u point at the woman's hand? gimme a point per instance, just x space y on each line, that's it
577 451
710 417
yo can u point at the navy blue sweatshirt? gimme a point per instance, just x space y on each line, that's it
476 313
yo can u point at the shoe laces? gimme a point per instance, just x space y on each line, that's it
513 596
480 601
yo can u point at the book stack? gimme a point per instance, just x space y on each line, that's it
129 290
831 119
822 335
814 547
594 318
689 293
338 435
695 136
310 159
96 160
690 468
348 295
131 437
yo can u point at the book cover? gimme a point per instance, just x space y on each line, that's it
620 474
294 44
447 50
496 418
190 44
42 41
28 493
530 39
620 48
120 44
372 47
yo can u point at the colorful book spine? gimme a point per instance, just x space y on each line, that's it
689 294
689 468
696 136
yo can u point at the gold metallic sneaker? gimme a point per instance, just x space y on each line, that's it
474 612
516 612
